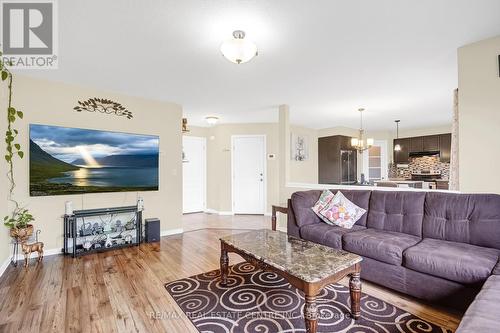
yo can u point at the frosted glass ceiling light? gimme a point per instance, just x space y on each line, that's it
211 120
238 49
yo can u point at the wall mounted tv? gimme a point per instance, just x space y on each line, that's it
74 161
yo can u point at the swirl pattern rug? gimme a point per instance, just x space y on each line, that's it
264 302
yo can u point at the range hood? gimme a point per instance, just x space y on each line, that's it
424 153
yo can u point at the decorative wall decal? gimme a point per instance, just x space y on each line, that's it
299 148
103 105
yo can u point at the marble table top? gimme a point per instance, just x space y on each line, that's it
305 260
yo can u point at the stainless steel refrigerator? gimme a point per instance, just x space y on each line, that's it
348 167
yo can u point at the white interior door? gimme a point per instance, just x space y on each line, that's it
248 171
194 174
375 161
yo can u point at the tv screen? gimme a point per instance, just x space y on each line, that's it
74 161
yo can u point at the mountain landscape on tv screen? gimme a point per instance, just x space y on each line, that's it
74 161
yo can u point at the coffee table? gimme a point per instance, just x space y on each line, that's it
305 265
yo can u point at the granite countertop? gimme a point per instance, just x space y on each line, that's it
306 260
399 181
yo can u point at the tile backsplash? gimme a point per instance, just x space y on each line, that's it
417 164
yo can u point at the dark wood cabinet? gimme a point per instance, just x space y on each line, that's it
430 143
336 160
401 156
416 144
445 147
423 144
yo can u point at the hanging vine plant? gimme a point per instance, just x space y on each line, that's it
19 219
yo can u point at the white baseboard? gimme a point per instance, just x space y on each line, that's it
213 211
171 232
46 253
4 266
268 214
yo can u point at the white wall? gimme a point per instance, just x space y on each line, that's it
52 103
479 116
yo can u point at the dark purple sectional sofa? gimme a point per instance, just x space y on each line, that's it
437 246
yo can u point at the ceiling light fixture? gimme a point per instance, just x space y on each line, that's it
397 147
212 120
238 49
359 142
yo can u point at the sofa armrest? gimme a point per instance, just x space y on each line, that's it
292 227
496 269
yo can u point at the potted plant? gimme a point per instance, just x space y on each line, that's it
19 224
19 219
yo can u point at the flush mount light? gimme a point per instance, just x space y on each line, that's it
238 49
211 120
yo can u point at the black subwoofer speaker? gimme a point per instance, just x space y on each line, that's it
152 230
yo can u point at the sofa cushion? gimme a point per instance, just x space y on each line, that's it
326 234
458 262
398 211
386 246
482 314
465 218
303 201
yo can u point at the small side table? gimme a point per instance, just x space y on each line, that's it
275 209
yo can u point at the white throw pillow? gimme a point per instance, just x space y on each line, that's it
341 211
323 201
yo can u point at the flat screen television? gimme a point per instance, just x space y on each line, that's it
67 160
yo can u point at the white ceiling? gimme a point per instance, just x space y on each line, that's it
396 58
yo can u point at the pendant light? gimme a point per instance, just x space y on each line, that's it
359 143
397 147
238 49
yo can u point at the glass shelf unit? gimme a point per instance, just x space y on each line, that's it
95 230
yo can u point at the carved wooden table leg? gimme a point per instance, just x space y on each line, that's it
311 314
355 291
224 265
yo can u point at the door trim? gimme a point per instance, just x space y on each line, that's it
205 155
264 137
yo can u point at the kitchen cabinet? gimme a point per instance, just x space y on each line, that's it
416 144
430 143
402 156
445 147
337 162
420 145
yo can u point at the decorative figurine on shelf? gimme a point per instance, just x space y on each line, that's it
29 248
87 245
130 225
97 229
86 229
118 227
128 239
108 242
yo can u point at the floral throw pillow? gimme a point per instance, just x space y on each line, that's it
323 201
342 212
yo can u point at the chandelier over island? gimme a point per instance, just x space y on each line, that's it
360 143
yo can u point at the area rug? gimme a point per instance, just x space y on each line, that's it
259 301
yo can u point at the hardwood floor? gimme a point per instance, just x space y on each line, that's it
122 290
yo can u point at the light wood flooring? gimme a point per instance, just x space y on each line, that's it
123 290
